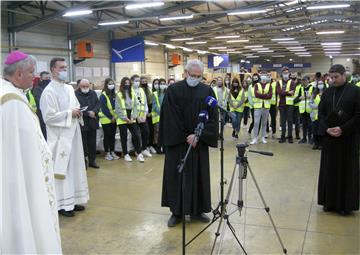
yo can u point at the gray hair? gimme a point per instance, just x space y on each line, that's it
194 63
9 70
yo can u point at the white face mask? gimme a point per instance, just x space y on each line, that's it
136 84
193 82
85 91
285 77
263 78
320 86
163 86
63 75
111 86
157 86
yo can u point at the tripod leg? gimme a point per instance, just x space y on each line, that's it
240 202
234 234
267 209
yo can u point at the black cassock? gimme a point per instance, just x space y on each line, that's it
338 187
179 118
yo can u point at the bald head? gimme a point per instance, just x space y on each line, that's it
84 85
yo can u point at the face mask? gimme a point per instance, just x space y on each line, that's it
321 86
226 82
136 84
285 77
255 79
111 86
263 78
219 84
235 84
163 86
156 86
63 76
85 91
144 83
192 82
249 81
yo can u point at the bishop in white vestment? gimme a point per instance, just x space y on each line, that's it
28 207
60 110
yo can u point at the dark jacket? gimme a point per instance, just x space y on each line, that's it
92 102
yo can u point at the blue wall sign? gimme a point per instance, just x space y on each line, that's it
218 61
128 50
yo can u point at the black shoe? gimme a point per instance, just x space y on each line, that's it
290 140
315 147
298 137
93 165
201 217
79 208
66 213
282 140
233 133
319 147
173 221
344 213
302 141
236 136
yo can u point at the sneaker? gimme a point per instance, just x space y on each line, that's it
152 150
253 141
140 158
263 140
108 156
127 158
115 157
146 153
173 221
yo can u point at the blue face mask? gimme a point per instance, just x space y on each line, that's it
192 82
63 75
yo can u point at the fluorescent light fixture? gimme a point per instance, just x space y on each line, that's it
246 12
331 44
202 51
295 48
187 49
190 43
143 5
237 41
265 51
288 42
330 49
227 36
330 56
330 32
235 52
113 23
252 46
252 57
77 13
257 49
217 48
292 2
177 17
332 52
282 39
242 61
169 46
278 56
181 39
305 56
290 59
227 50
329 6
151 43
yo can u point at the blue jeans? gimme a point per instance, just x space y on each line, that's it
237 121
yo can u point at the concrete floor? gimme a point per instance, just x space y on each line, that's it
124 214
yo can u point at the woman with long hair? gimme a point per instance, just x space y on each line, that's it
236 103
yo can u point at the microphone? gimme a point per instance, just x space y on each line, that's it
203 118
212 102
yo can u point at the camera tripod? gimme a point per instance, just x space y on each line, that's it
240 171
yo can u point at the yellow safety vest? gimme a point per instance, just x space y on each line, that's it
154 115
102 116
273 98
297 90
358 84
304 104
316 111
31 100
289 99
258 102
225 94
141 103
119 96
236 101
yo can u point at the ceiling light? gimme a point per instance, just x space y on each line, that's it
177 17
330 32
256 49
305 56
235 52
237 41
187 49
288 42
204 42
242 60
333 52
330 49
290 59
348 59
202 51
169 46
265 51
227 36
246 12
252 46
217 48
252 56
330 6
247 61
278 56
181 39
227 50
295 48
331 44
151 43
113 23
282 39
77 13
330 56
143 5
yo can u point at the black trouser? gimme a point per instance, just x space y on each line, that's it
134 134
252 120
316 133
296 119
306 125
109 136
151 131
89 144
273 113
144 131
286 117
246 114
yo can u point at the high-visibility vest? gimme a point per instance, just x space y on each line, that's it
273 98
304 104
252 92
315 112
102 117
297 91
141 103
289 99
121 101
224 98
237 100
31 100
358 84
258 102
154 115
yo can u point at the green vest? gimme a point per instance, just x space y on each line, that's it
258 102
358 84
297 92
154 115
102 116
289 99
31 100
141 103
304 104
273 98
225 94
316 111
121 101
235 101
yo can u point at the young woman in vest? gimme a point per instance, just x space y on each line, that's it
236 103
255 79
261 103
158 97
142 113
107 118
222 96
125 108
314 104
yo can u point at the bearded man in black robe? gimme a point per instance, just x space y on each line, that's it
339 116
179 117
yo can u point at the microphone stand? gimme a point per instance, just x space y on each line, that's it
198 132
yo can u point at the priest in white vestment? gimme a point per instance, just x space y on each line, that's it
28 209
62 116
